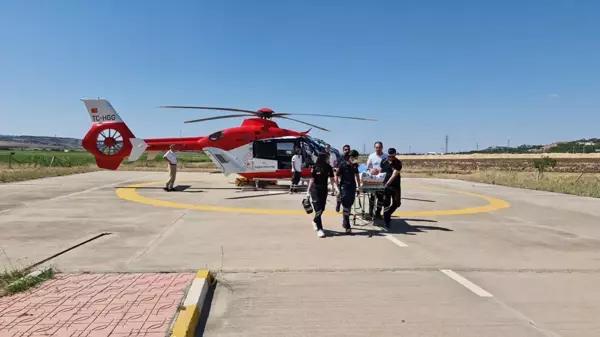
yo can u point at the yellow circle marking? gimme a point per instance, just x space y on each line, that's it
130 193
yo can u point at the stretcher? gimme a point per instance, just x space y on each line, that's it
369 185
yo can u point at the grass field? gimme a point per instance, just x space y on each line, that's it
501 169
23 158
26 165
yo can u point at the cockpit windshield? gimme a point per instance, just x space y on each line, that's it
317 145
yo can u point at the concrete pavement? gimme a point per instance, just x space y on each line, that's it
538 259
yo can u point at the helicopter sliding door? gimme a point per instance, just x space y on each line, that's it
274 154
265 155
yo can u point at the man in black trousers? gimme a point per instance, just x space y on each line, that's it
348 180
345 157
391 199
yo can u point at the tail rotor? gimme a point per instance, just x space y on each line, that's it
109 139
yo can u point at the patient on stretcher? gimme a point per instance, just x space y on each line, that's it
371 177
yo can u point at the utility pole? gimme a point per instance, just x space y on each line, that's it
446 144
409 149
477 146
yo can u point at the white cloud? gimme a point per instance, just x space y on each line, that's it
554 95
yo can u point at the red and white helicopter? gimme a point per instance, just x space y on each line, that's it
258 149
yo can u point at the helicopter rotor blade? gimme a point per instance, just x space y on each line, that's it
295 120
213 118
319 115
207 108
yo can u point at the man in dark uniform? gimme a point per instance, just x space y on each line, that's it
391 200
347 178
344 158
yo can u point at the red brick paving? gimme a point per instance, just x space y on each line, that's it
95 305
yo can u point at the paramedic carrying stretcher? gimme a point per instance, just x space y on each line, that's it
392 192
347 179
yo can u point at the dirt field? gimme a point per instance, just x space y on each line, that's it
573 163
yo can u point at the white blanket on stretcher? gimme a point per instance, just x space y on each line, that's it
367 177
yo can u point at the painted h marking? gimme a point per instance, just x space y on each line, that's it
466 283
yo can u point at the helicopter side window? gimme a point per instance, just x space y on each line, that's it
285 151
265 150
216 136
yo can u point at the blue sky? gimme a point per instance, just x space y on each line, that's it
479 71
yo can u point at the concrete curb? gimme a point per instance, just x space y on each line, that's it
189 314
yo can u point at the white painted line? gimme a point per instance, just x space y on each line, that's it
388 235
394 240
466 283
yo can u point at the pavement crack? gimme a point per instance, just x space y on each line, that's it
156 239
530 321
528 223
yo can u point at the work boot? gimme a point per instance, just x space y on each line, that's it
386 224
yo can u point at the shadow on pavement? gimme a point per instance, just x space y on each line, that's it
258 195
415 199
401 226
397 226
205 313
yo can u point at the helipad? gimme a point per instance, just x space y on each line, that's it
130 193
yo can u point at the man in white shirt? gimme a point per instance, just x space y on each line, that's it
296 170
171 157
376 158
374 165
